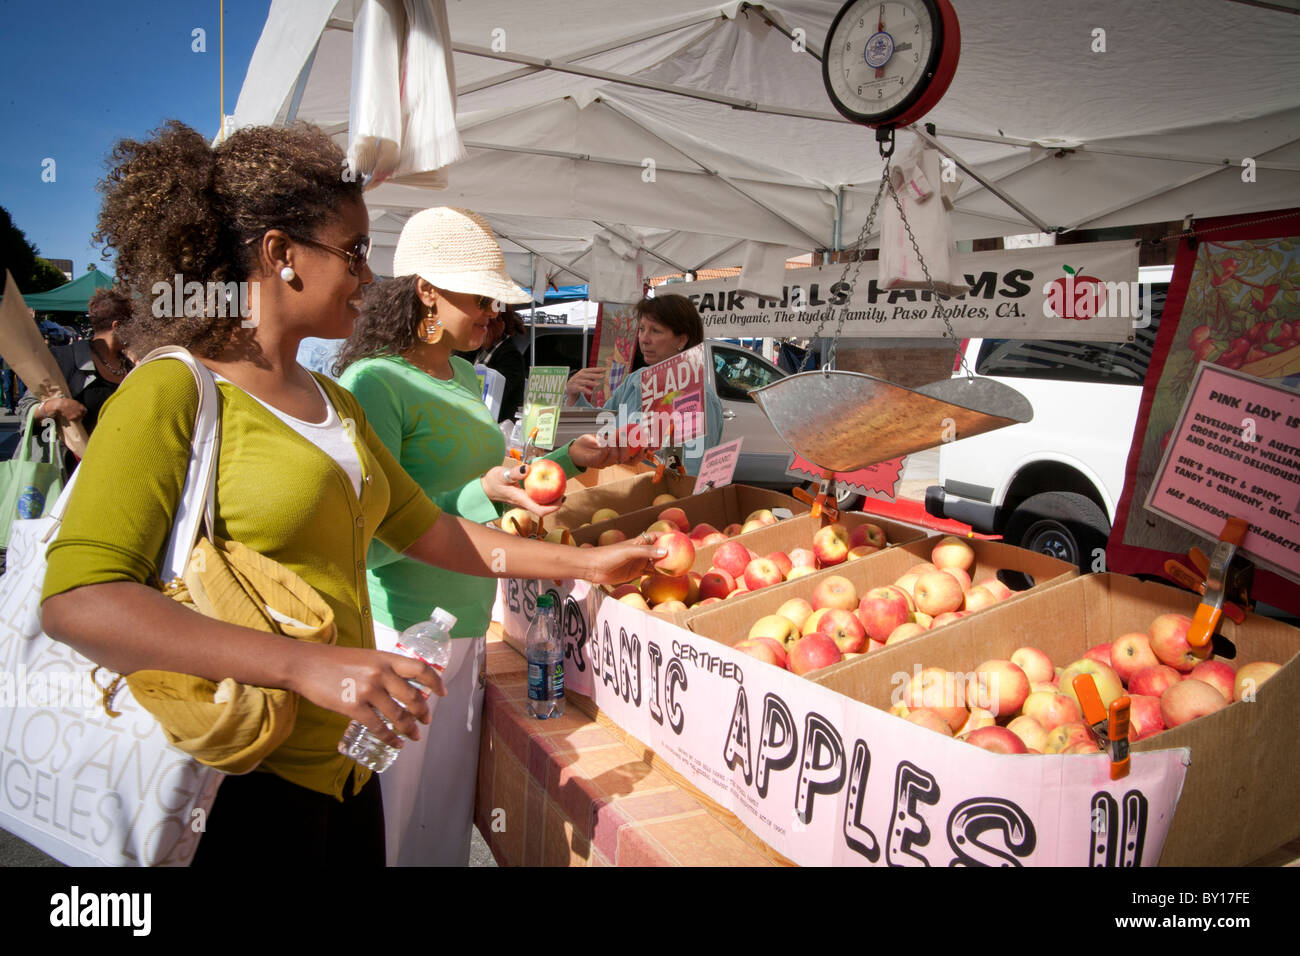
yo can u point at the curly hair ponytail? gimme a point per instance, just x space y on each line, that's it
177 211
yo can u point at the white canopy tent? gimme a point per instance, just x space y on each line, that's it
689 127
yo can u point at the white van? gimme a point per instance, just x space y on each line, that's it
1053 483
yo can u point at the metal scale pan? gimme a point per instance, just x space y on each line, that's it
849 420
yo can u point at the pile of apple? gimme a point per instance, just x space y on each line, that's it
836 625
1028 705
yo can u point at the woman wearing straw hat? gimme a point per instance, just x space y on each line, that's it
302 478
426 406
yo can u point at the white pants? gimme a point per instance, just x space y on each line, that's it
429 790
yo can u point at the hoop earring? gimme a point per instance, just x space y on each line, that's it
431 327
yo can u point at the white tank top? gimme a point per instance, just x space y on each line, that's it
330 436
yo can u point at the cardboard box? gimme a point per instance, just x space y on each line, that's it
1239 799
719 507
730 621
627 494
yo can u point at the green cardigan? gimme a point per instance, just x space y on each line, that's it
277 493
445 438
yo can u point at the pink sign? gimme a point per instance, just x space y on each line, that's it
1236 453
829 781
880 479
717 466
672 397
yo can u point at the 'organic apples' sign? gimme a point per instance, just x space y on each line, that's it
826 780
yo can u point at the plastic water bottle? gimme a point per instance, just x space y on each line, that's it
428 641
544 650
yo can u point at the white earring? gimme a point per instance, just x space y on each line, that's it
287 274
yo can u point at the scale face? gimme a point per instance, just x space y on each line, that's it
886 64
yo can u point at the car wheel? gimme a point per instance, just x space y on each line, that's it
846 499
1062 524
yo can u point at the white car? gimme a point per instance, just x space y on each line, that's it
1051 484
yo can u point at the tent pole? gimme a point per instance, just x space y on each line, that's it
560 66
524 245
837 236
986 183
720 252
300 87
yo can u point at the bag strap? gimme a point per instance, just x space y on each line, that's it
198 496
25 448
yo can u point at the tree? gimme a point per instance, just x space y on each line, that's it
32 273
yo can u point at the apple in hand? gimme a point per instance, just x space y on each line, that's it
1189 699
680 556
1130 653
544 482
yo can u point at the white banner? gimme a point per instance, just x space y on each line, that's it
828 781
1087 291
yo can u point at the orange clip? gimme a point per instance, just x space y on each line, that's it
1094 711
1209 612
1117 735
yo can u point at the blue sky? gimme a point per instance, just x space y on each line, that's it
77 76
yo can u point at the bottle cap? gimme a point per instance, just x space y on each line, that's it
444 619
546 600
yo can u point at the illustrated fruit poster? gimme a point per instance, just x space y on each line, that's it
1234 302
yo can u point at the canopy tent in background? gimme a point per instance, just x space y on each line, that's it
72 296
686 127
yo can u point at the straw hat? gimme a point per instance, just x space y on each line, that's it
455 250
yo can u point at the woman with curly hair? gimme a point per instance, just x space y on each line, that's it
425 404
302 478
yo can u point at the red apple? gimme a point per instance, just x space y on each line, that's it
1099 653
1070 738
904 631
1144 717
1189 699
544 482
953 552
802 558
1030 732
929 719
962 577
669 607
1036 664
782 561
761 573
999 740
716 583
658 588
1217 674
711 539
772 626
938 689
676 516
1051 710
835 592
797 610
1130 653
732 557
867 533
732 529
680 556
1153 681
1109 686
1250 676
882 611
1000 687
947 617
844 628
979 717
998 589
701 530
635 600
814 620
766 650
812 652
937 593
1169 642
831 545
978 598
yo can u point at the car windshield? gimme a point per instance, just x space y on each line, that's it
1115 363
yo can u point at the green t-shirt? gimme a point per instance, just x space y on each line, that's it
445 438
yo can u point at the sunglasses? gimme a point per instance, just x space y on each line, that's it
356 256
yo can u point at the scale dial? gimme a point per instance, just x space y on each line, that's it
886 64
